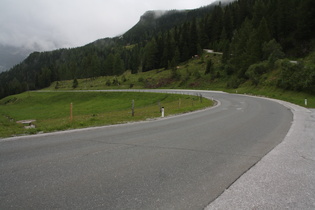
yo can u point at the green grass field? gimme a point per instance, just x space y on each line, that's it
51 110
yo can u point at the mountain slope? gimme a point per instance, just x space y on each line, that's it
254 36
155 21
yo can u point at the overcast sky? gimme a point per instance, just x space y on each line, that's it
51 24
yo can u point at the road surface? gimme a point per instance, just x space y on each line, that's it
179 162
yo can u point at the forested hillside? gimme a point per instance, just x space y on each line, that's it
255 36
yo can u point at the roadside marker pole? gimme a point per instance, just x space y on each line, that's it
133 108
162 109
71 108
306 102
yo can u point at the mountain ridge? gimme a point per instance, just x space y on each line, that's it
9 58
252 42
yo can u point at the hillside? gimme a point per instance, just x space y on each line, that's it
258 40
192 74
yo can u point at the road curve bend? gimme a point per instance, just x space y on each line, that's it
179 162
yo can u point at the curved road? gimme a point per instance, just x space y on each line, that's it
181 162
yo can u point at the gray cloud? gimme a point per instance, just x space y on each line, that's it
45 25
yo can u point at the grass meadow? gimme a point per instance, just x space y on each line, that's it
51 110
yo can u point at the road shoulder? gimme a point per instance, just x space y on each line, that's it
285 177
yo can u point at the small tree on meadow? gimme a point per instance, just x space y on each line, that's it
75 83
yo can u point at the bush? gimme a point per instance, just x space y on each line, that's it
75 83
272 51
124 79
209 68
196 74
255 72
115 81
229 69
175 74
140 79
57 85
296 77
234 82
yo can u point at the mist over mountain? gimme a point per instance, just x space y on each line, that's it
13 54
10 56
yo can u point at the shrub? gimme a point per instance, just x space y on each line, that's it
140 79
255 71
296 77
209 68
75 83
234 82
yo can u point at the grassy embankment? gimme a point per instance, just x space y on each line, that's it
51 110
191 75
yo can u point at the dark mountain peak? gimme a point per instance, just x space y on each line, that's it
152 14
223 2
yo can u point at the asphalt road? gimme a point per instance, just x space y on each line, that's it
181 162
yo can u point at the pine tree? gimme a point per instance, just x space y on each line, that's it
305 25
228 23
259 12
135 60
109 65
209 67
193 43
263 31
150 55
286 22
118 65
204 39
95 66
256 40
241 46
216 23
184 42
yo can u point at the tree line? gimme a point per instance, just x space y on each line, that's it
252 34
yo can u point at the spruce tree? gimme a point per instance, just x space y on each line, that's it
193 43
150 55
209 67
